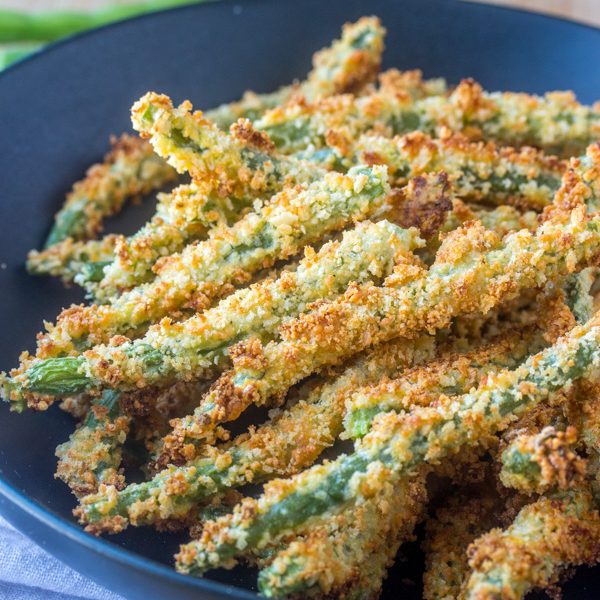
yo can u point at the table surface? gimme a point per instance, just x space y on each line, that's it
582 10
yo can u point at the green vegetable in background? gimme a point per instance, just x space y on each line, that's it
17 26
10 53
22 32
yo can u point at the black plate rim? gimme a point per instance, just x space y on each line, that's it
103 546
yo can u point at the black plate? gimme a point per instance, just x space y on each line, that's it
56 113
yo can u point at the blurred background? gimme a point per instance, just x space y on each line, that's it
26 25
587 11
581 10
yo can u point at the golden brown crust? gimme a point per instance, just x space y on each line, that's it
460 520
546 538
423 205
244 131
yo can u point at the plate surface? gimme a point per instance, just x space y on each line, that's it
56 113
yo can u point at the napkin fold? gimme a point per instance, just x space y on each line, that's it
29 573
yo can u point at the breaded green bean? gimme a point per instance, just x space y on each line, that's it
546 538
346 66
310 565
473 272
539 461
349 63
209 269
456 524
346 556
234 170
242 165
555 123
92 456
587 420
285 445
410 82
129 170
115 263
168 233
452 374
290 442
579 298
195 348
248 165
478 172
183 216
342 67
68 258
400 443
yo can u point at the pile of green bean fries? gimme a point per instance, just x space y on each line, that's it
402 272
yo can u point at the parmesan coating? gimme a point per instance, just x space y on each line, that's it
460 520
403 443
541 461
92 456
129 170
329 558
347 555
478 171
292 440
398 278
241 165
450 374
556 123
473 272
197 347
68 258
206 270
546 538
183 216
289 442
410 82
346 66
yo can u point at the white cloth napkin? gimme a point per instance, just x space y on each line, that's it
29 573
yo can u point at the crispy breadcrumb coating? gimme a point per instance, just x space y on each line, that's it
68 258
541 461
346 556
445 324
346 66
556 123
129 170
456 524
479 172
546 537
206 270
403 443
290 441
473 272
92 456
